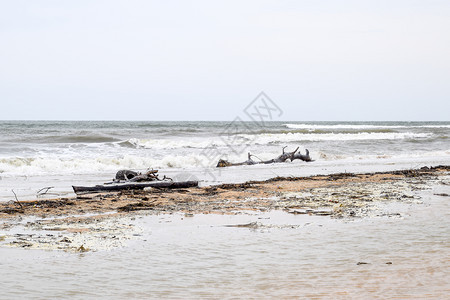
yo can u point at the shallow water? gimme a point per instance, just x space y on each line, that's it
199 257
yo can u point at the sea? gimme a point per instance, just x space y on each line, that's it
58 154
403 253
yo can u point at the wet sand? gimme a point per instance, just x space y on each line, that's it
105 221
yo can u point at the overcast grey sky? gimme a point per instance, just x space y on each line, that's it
206 60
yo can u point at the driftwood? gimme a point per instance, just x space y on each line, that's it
17 200
133 186
280 159
125 175
43 191
131 180
304 157
132 176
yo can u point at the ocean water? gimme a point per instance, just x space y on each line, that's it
37 154
176 257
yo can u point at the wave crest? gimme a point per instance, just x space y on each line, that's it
358 126
269 139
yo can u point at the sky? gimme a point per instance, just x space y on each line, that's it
207 60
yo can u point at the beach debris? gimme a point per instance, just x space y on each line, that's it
280 159
362 263
258 225
305 157
248 225
43 191
74 234
136 206
131 180
345 196
132 176
65 240
17 200
125 175
82 249
443 195
310 212
134 186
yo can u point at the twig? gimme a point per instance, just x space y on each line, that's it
38 193
167 178
151 171
256 157
17 200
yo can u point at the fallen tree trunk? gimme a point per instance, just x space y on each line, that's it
280 159
133 186
304 157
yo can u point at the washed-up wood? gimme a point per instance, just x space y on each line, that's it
132 176
280 159
304 157
134 186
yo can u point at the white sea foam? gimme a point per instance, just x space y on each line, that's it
53 166
172 143
359 126
294 137
44 166
320 155
267 138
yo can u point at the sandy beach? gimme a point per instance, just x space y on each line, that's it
344 235
93 222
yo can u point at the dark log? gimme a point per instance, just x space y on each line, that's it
225 163
304 157
126 174
132 176
282 158
133 186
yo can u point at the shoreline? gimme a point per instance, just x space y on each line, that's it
163 200
105 220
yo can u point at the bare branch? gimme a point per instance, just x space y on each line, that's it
17 200
280 159
42 192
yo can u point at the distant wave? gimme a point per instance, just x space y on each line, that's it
321 130
294 137
169 143
85 139
65 139
267 139
358 126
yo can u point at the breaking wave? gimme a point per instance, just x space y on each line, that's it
268 139
359 126
41 166
169 144
64 139
54 166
